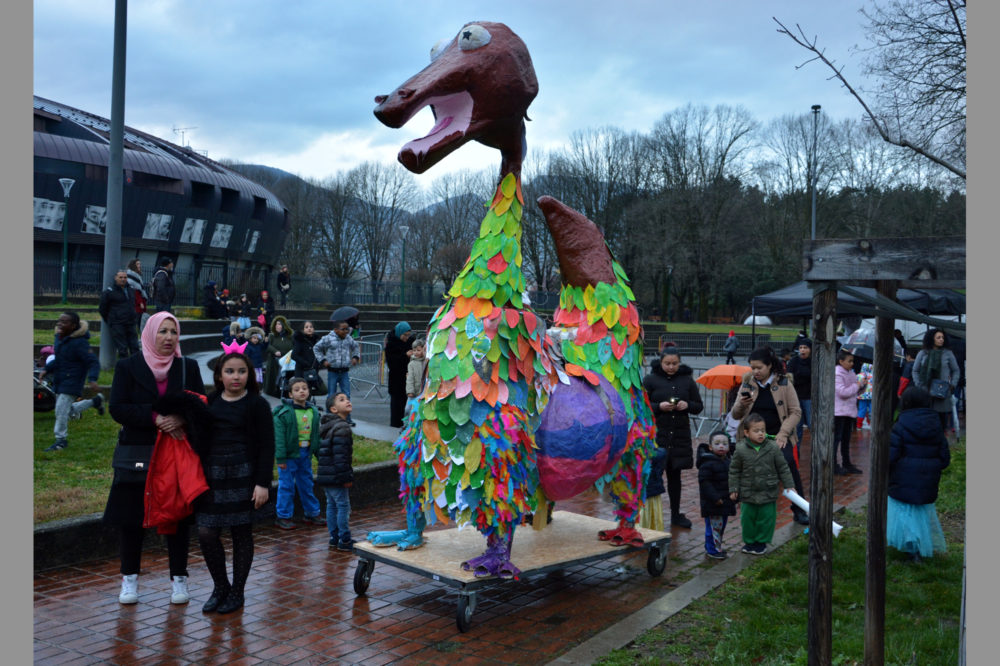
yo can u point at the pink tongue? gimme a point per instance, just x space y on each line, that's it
440 125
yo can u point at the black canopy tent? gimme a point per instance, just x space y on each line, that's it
796 300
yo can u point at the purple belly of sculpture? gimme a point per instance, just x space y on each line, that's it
582 435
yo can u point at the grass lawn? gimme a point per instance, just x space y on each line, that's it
75 481
760 616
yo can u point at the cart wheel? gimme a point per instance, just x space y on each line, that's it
363 576
463 617
656 562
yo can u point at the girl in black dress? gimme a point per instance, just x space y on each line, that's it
238 464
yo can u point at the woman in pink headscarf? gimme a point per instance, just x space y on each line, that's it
147 396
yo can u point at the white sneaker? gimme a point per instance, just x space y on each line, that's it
179 594
130 589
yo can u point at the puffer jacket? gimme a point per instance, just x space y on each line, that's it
713 483
918 451
755 474
673 428
73 361
845 398
336 452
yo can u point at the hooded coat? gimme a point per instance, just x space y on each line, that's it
673 428
73 362
280 343
713 483
918 452
255 352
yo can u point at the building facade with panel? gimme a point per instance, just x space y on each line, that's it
214 223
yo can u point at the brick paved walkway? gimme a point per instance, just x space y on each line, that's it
301 607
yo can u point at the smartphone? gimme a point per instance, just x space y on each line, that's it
745 394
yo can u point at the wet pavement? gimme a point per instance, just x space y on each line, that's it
301 606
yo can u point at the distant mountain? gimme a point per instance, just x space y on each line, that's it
261 174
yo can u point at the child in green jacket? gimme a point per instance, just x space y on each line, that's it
296 440
757 466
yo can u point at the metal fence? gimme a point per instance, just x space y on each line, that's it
701 344
85 279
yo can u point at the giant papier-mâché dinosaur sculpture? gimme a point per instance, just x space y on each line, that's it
512 417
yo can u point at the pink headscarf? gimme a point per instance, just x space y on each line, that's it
158 363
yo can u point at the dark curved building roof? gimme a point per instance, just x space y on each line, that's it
176 202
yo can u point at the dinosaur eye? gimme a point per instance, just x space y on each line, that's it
438 48
472 37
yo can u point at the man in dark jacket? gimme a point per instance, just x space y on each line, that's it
163 286
284 284
73 360
800 368
117 308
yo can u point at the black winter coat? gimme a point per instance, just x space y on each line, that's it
801 371
131 403
336 451
302 352
73 362
396 361
673 429
117 305
713 483
918 451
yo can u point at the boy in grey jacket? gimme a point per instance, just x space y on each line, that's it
338 352
757 466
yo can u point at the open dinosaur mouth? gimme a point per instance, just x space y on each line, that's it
454 114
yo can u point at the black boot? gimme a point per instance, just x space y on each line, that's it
233 602
218 595
800 516
680 520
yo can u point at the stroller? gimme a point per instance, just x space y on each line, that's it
44 397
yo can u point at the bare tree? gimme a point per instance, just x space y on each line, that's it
336 236
385 195
455 218
700 158
919 58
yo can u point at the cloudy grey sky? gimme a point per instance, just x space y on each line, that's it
291 83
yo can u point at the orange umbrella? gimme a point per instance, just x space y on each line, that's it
723 377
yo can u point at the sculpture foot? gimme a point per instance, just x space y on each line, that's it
623 535
412 539
495 561
386 539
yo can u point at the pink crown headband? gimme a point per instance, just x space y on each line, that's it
233 347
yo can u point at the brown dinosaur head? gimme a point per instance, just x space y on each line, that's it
479 85
584 257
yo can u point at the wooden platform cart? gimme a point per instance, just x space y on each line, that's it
568 540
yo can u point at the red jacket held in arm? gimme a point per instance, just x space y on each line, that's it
174 480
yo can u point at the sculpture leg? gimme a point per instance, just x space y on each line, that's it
495 561
406 539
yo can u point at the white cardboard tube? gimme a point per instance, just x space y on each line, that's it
800 502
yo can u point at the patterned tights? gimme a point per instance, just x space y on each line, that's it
212 550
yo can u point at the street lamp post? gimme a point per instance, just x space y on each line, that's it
402 270
67 185
666 296
815 108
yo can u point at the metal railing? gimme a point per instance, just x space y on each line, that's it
85 280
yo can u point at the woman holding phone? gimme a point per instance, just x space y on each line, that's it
767 391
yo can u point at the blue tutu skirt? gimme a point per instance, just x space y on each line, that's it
914 528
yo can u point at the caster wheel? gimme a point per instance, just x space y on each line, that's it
463 617
363 576
656 562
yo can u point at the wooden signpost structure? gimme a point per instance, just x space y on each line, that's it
887 264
